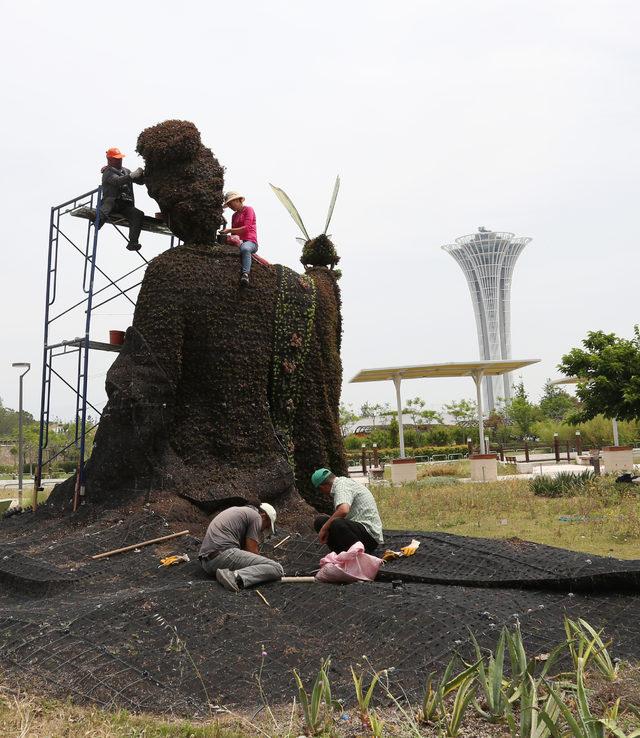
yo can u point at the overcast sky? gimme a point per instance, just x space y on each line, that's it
439 117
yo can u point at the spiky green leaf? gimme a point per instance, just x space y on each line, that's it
332 203
291 209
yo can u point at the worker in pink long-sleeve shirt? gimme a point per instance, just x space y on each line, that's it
243 225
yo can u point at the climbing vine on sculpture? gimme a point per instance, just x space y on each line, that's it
293 329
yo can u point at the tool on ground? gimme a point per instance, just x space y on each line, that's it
175 559
139 545
405 551
298 579
262 597
281 542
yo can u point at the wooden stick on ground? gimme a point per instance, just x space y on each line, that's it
262 597
139 545
281 542
298 579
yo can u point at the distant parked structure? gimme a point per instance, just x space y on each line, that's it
487 259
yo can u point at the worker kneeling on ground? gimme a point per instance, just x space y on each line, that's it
117 195
230 547
355 516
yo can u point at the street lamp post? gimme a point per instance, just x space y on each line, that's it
26 366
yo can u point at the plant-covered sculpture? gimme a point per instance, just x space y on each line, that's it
218 395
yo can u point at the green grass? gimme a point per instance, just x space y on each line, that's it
607 519
27 494
35 717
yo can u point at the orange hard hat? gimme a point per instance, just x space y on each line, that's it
114 153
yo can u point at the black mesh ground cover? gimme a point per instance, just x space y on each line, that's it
122 632
482 562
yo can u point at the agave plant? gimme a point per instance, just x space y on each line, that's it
498 691
531 723
583 724
317 706
585 642
368 717
318 251
435 692
452 716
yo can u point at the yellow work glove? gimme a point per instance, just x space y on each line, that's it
171 560
389 555
411 548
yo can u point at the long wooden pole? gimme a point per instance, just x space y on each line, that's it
139 545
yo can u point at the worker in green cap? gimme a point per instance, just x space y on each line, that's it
355 513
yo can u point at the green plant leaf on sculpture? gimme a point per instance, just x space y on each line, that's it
332 204
291 209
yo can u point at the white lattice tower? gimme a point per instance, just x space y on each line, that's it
487 259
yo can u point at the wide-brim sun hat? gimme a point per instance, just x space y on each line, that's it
319 476
271 512
231 196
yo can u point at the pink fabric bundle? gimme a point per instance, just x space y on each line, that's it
349 566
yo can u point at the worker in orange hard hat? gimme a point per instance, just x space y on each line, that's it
117 195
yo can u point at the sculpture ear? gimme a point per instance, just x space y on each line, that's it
169 142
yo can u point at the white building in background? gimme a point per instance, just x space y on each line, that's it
487 259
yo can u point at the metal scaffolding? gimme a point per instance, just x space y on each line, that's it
61 241
487 259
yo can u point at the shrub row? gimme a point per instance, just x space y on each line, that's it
564 484
393 453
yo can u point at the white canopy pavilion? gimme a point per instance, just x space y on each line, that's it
474 369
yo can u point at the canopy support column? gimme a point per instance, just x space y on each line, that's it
616 438
397 379
477 375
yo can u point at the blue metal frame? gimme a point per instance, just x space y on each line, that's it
89 253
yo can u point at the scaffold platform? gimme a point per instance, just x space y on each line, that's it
63 239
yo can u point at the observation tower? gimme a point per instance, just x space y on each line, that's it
487 259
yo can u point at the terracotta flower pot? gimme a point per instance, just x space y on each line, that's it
116 338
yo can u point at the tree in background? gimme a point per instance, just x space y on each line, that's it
394 430
417 410
465 418
463 412
414 409
556 403
595 433
521 413
373 411
9 421
346 418
610 367
498 424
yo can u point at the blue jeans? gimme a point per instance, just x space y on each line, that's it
246 249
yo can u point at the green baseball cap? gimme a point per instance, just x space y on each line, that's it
319 475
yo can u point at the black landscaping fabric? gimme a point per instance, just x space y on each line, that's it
444 558
122 632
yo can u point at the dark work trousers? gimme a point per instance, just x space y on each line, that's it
344 533
130 212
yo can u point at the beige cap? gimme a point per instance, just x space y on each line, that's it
231 195
270 511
